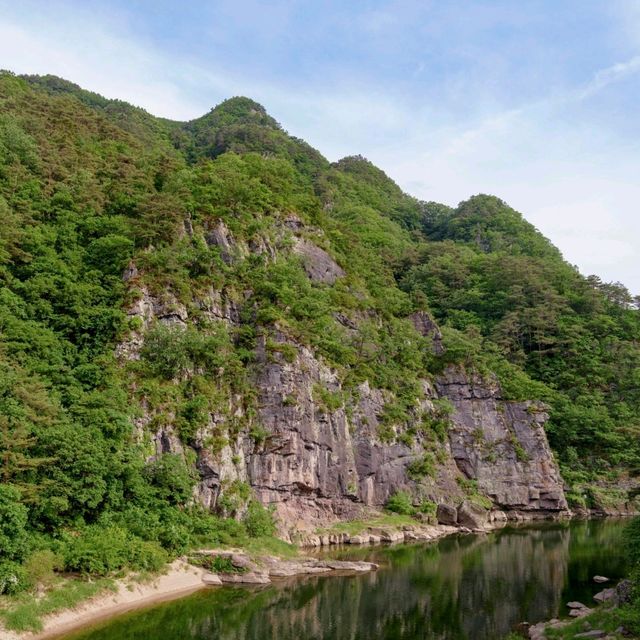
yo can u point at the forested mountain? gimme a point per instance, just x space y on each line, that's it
164 285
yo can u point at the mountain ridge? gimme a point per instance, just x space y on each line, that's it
203 321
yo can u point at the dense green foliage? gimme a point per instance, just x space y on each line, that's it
91 188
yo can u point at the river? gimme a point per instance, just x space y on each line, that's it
466 587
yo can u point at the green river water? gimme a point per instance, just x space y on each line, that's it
462 587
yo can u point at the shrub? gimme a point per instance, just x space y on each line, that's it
97 550
40 566
13 578
172 478
13 521
427 507
216 564
258 521
235 498
400 502
146 555
425 466
101 550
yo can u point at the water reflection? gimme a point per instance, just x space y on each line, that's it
466 587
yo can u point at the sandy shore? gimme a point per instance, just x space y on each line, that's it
183 579
179 581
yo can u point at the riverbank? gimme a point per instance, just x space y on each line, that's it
606 619
183 578
242 567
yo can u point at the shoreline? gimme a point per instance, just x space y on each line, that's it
180 580
183 578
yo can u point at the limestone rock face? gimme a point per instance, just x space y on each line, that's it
318 264
319 461
502 445
316 464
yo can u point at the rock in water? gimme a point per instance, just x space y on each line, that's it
605 595
472 515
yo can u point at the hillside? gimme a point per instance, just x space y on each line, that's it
208 330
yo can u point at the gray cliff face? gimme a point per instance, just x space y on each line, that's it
502 445
317 463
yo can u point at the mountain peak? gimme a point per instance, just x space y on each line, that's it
234 111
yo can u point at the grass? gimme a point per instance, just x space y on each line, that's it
606 619
25 612
269 545
354 527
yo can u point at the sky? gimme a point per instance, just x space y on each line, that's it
535 101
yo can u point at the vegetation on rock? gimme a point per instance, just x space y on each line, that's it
91 189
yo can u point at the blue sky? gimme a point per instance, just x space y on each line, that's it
534 101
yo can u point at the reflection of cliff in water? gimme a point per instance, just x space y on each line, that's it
462 588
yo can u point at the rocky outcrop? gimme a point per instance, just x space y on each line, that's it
318 264
324 455
502 445
239 568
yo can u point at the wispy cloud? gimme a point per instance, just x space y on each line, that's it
475 102
609 75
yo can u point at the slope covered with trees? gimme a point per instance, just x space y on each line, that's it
91 189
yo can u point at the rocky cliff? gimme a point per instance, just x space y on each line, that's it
320 457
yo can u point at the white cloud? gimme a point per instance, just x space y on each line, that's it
97 60
611 74
575 182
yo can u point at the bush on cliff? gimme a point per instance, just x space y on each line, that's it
401 502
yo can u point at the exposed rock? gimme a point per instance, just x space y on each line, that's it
446 514
594 633
600 579
130 272
624 591
472 515
319 465
273 567
386 535
249 577
580 613
220 236
574 604
502 445
606 595
318 264
536 631
426 326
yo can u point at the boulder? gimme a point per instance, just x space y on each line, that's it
472 515
211 578
623 591
446 514
386 535
574 604
600 579
249 577
606 595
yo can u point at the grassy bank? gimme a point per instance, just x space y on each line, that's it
56 593
25 612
